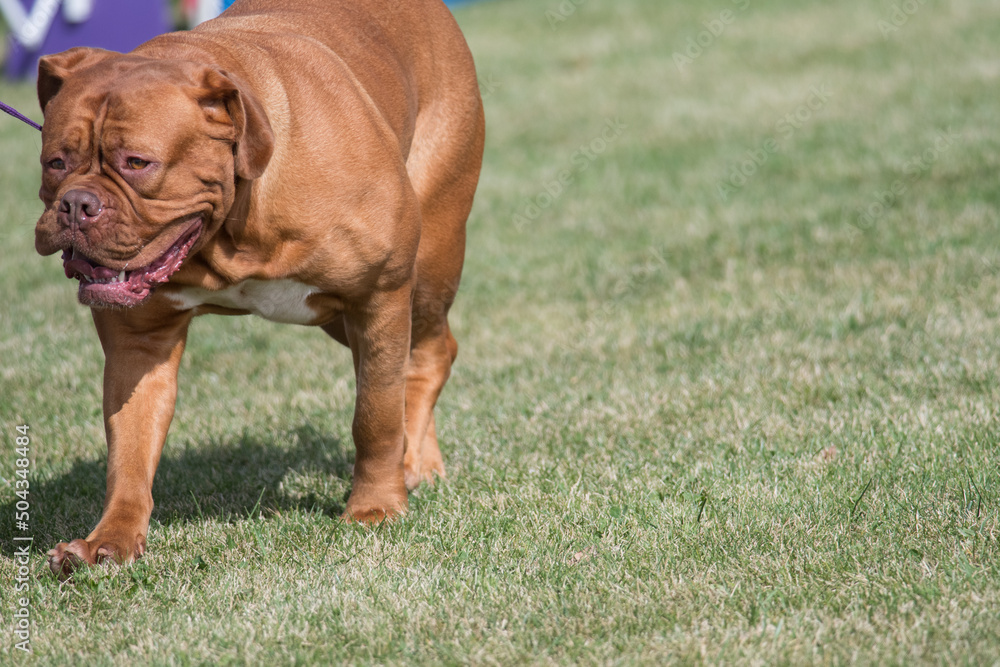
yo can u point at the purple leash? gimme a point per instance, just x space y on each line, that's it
18 115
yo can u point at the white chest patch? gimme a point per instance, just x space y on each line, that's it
275 300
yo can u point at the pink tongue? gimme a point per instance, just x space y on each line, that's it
84 267
81 266
103 273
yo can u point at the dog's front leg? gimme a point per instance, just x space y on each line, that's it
379 335
142 351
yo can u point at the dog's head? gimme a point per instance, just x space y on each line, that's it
140 159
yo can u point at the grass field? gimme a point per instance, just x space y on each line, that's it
727 390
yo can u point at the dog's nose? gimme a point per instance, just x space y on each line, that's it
80 207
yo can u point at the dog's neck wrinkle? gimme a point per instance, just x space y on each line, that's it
222 254
236 218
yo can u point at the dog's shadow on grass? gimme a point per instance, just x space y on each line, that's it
223 480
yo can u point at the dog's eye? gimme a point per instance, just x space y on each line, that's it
136 163
57 164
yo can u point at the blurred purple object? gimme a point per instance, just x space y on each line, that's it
118 25
11 111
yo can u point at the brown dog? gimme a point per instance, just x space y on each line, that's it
309 161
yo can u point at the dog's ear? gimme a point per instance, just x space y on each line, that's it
225 101
55 69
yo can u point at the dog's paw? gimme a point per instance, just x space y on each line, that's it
65 558
417 475
419 467
373 515
369 517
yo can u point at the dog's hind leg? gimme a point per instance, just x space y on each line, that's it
432 351
431 356
444 163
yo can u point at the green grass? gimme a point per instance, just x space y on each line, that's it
680 429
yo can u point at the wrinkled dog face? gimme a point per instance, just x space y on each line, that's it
139 165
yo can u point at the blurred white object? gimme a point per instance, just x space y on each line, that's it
30 29
206 10
77 11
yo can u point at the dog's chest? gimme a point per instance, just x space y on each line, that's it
275 300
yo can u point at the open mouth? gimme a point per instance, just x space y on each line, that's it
103 286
